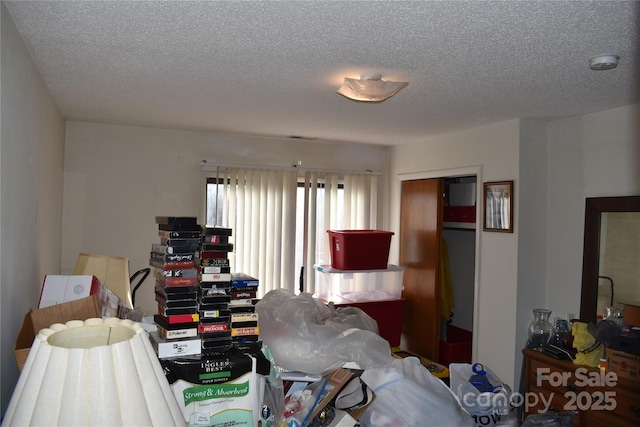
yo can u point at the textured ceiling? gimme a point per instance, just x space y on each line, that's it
273 68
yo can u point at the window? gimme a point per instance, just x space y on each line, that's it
321 255
279 219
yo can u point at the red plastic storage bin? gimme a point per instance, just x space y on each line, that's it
457 347
388 314
459 214
359 249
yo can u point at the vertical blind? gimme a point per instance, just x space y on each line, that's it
259 205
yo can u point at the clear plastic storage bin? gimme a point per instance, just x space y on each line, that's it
344 286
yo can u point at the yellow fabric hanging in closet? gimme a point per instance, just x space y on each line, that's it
447 300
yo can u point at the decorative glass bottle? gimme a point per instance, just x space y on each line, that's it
540 328
559 331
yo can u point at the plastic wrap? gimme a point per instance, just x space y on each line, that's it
304 334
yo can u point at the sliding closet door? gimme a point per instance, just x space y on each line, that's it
420 241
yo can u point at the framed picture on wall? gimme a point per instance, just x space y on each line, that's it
498 206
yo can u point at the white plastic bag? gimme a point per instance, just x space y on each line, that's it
408 395
304 334
488 408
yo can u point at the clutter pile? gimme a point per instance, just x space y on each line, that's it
316 343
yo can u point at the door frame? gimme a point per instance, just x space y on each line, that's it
453 173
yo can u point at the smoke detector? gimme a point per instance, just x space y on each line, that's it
604 62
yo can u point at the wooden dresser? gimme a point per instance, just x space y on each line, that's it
587 391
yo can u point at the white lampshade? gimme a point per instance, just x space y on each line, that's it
370 88
112 271
93 373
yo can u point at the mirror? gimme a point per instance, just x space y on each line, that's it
611 257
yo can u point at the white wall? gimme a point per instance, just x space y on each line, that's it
532 237
494 150
31 200
590 156
118 179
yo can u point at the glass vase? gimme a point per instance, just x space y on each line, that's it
540 328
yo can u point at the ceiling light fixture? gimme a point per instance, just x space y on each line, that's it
370 88
604 62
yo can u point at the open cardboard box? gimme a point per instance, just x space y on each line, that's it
34 320
113 299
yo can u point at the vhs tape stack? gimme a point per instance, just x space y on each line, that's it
215 290
244 319
213 353
177 284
